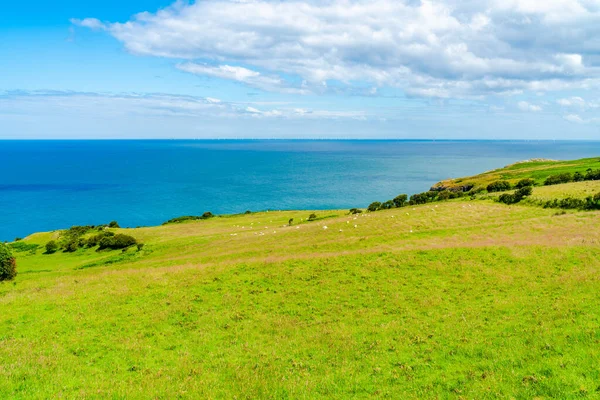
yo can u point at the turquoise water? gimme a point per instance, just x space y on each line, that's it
45 185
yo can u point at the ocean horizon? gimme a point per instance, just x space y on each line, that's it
54 184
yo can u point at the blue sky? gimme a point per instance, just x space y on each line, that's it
301 69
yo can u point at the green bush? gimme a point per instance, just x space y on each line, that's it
498 186
444 195
523 192
312 217
578 177
507 198
557 179
119 241
524 183
355 211
387 205
71 245
592 175
51 247
374 206
422 198
113 224
400 200
8 264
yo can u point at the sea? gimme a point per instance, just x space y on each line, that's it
48 185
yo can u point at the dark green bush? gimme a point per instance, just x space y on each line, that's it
445 195
8 264
71 245
77 231
524 183
51 247
523 192
560 178
374 206
578 177
119 241
507 198
94 240
312 217
113 224
400 200
185 218
592 175
355 211
422 198
498 186
386 205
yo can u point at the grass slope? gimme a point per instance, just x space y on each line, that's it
537 170
459 299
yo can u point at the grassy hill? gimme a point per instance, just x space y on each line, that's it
537 170
456 299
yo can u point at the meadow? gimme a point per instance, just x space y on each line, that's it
466 299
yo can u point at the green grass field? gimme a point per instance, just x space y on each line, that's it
465 299
537 170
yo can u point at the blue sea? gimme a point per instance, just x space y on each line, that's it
46 185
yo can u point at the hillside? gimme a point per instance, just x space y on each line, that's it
537 170
466 298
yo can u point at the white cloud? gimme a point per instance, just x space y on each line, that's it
574 118
578 102
151 105
91 23
445 48
240 74
525 106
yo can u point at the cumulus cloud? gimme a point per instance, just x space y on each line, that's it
528 107
445 48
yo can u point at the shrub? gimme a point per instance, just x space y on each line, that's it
498 186
51 247
578 177
445 195
312 217
113 224
422 198
248 212
374 206
592 175
8 264
119 241
557 179
77 231
71 245
355 211
507 198
523 192
400 200
291 221
94 240
387 205
524 183
207 215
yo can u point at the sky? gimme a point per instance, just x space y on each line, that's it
405 69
